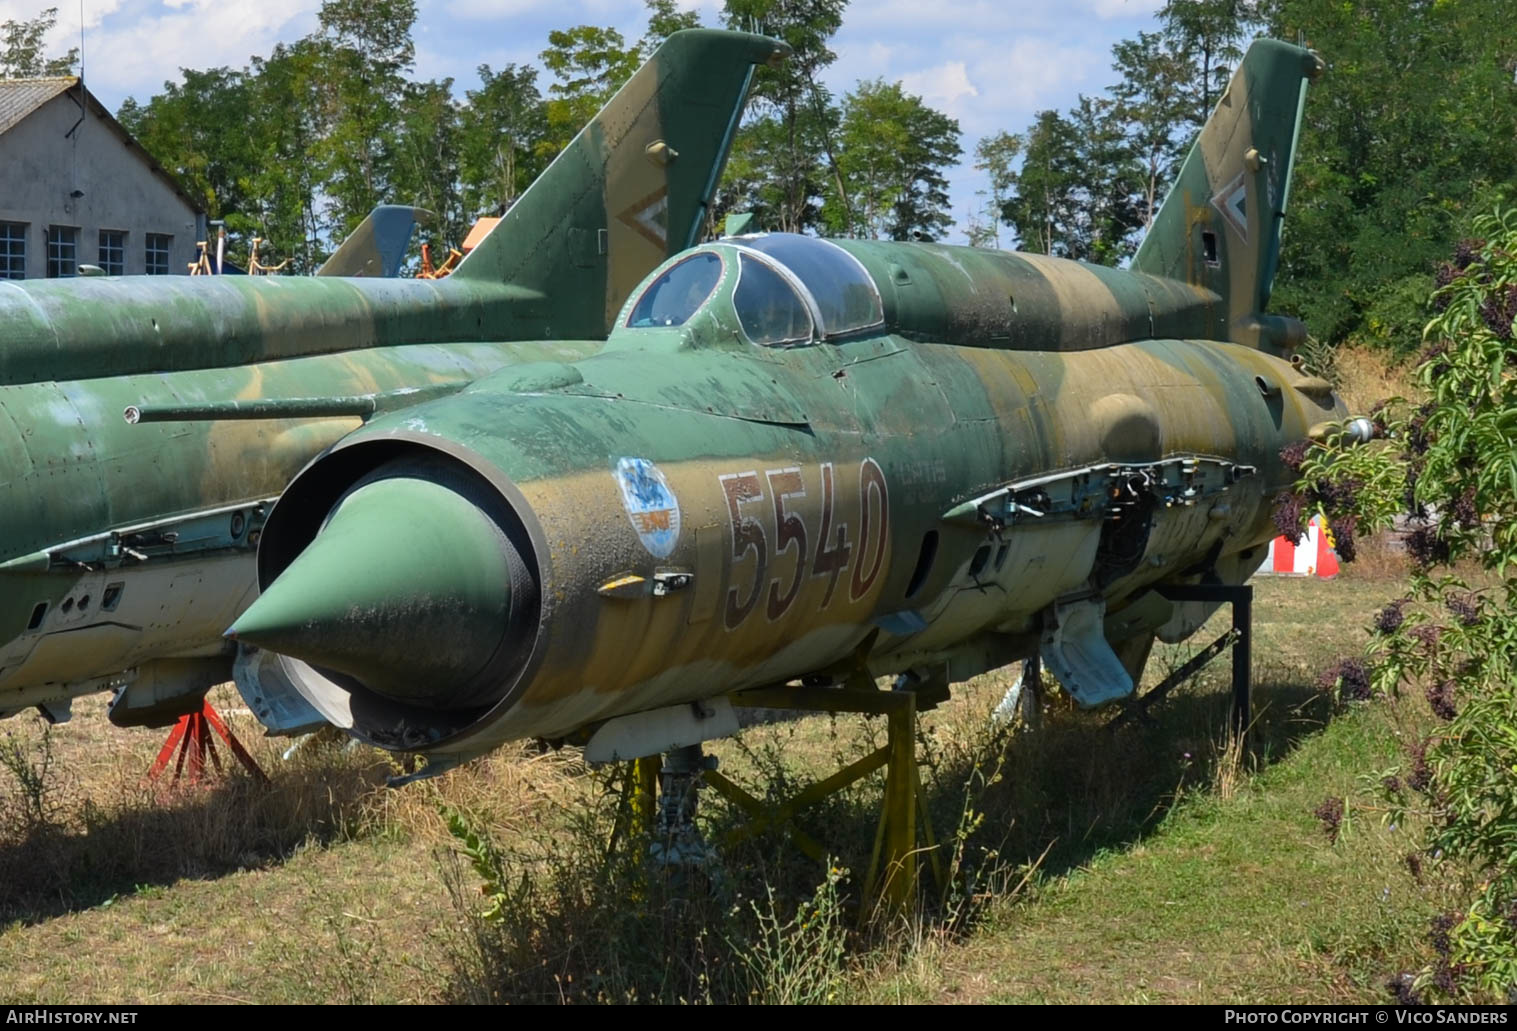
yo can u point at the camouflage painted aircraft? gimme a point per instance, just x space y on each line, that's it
377 246
800 460
127 549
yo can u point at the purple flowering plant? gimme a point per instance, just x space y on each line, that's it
1444 473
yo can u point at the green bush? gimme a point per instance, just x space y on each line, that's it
1451 463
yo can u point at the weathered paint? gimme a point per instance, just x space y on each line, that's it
1242 160
93 502
821 511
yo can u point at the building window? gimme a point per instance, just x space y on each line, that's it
158 254
113 252
62 252
12 250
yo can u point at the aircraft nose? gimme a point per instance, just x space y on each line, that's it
408 588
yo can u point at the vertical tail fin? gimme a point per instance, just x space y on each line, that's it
1219 227
631 189
378 246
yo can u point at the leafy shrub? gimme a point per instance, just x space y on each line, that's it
1451 463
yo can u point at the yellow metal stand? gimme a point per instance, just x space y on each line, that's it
637 814
891 880
892 873
645 794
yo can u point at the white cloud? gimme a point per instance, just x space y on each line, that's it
922 25
859 59
68 17
132 46
1039 73
1123 8
489 10
988 85
941 87
1001 19
65 33
134 55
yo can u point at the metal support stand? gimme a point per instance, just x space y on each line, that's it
1241 598
892 872
192 736
645 794
638 811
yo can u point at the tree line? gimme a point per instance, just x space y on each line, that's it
1410 135
299 145
1411 132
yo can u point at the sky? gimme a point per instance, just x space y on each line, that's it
991 64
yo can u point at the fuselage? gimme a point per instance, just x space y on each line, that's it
905 465
125 549
125 543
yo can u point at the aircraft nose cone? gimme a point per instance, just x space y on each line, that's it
408 589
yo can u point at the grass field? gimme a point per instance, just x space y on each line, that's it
1153 863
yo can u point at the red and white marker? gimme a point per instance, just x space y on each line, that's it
1314 556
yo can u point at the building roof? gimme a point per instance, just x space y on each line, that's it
20 97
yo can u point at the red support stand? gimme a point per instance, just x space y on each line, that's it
192 737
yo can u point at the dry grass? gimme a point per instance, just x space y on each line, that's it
107 829
1366 376
1228 770
1381 559
322 885
330 887
1035 808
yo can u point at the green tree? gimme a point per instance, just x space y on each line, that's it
893 152
995 155
590 64
783 159
242 143
503 122
1041 210
1412 130
430 151
285 181
201 130
1208 36
1108 184
982 227
1151 104
22 47
664 20
1078 193
752 182
367 51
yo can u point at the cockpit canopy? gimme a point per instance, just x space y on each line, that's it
845 296
789 290
673 297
